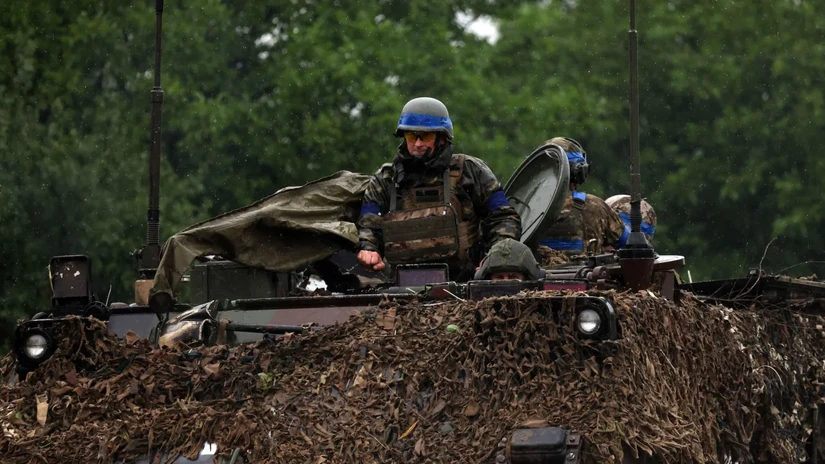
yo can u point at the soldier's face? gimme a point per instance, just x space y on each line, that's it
507 275
418 143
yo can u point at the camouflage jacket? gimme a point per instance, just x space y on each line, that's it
480 195
599 222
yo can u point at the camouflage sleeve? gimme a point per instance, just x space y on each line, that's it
499 220
376 203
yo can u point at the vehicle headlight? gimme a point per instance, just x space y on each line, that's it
35 346
588 322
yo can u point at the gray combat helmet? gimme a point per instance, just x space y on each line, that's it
510 255
424 114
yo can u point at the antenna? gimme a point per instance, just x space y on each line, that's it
635 172
637 257
150 254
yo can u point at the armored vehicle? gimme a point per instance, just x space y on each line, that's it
233 303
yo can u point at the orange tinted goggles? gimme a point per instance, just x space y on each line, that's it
426 137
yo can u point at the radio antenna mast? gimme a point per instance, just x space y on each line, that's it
637 257
150 254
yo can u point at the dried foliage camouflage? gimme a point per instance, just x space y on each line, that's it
687 382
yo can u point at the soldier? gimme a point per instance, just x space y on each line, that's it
429 204
509 259
621 205
584 218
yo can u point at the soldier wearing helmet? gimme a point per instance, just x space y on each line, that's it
621 205
509 259
430 204
584 217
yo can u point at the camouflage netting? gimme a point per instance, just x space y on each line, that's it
687 383
549 258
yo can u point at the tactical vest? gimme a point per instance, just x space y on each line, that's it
567 234
429 224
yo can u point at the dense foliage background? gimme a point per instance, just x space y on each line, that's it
260 95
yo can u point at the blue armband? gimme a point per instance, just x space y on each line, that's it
496 201
370 208
563 244
646 228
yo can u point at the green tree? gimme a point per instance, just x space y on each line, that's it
731 104
74 148
257 97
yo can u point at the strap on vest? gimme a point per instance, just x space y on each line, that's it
448 187
579 199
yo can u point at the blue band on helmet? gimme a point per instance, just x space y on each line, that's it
623 239
424 120
563 244
575 157
647 228
496 201
370 208
579 195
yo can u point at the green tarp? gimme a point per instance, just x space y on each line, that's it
283 232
